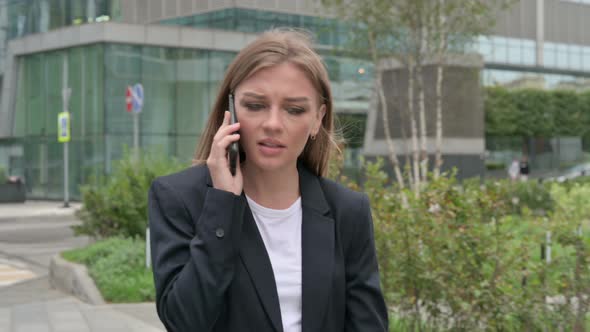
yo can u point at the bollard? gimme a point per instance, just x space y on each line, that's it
148 250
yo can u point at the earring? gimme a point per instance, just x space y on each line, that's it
313 137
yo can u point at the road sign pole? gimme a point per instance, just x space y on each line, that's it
136 136
66 97
66 173
134 98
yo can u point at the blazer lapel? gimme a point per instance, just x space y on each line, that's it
255 258
317 237
257 263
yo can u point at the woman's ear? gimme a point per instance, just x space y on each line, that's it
321 114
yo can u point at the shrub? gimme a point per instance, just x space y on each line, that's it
569 223
516 196
117 204
467 257
3 176
581 180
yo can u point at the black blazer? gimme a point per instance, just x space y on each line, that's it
212 271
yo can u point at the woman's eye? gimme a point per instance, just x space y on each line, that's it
295 110
254 107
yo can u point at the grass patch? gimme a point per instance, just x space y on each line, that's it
117 266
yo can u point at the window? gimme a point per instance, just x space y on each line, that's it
562 56
500 49
514 51
575 57
529 52
586 59
484 46
27 17
327 31
550 55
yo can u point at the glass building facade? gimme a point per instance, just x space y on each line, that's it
327 31
179 86
516 51
36 16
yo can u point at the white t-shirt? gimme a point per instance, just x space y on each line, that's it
281 234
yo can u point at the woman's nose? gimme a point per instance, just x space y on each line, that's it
273 121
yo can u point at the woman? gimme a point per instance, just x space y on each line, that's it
276 247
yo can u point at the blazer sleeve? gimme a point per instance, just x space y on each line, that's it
193 261
365 306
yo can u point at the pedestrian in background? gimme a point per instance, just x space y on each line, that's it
275 247
514 170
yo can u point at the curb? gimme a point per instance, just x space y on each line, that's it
33 211
10 216
73 278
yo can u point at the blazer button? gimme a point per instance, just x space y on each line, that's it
219 233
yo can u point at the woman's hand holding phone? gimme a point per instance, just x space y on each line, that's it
218 162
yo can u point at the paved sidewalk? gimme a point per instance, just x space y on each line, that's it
33 306
28 303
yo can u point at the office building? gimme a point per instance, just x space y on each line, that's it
178 50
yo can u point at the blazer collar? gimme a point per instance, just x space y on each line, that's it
317 255
312 195
317 245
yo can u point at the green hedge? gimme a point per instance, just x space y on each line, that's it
536 113
116 205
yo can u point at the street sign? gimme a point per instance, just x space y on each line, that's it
65 96
63 127
137 97
129 99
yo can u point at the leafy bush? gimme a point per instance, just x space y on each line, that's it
467 257
569 224
117 266
117 204
581 180
516 196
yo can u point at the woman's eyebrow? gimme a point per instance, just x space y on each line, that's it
288 99
297 99
253 95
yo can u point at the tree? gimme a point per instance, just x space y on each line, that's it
415 32
375 29
457 22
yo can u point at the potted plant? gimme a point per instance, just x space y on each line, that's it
12 188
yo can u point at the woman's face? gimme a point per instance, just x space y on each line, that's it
278 111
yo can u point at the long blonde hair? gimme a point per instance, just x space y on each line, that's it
272 48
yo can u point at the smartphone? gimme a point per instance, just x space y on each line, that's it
233 150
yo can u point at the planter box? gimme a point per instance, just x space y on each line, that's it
12 193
